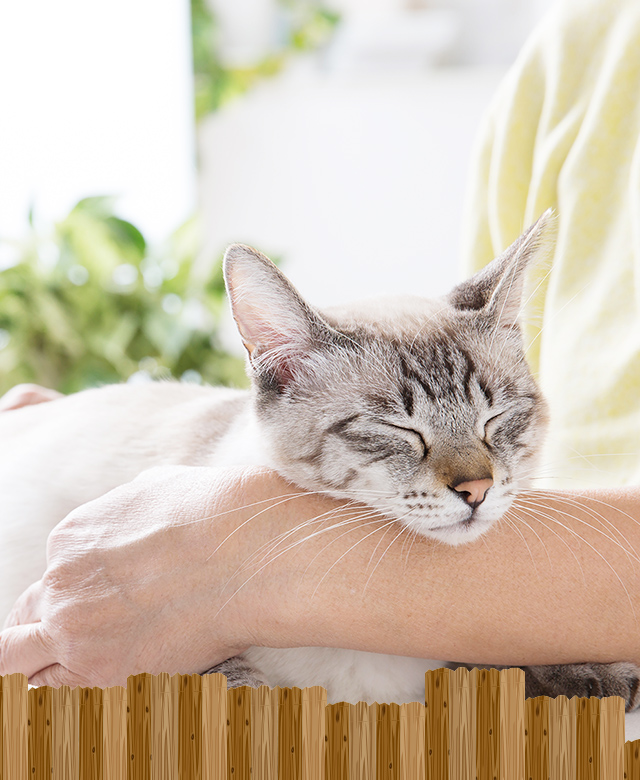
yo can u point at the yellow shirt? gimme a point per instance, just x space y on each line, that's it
564 131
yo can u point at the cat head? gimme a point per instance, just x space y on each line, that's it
424 409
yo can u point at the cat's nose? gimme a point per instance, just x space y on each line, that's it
473 491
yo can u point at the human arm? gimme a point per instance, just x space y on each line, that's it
150 595
558 582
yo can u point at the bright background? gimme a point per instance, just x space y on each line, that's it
345 156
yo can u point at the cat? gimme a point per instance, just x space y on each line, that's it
424 409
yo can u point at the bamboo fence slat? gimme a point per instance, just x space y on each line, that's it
14 761
472 725
65 732
314 703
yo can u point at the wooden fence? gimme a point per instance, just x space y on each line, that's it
473 726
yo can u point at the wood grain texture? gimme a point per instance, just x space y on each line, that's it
65 732
13 721
562 739
214 726
588 738
138 727
612 738
632 760
363 726
114 733
462 725
437 723
90 740
412 741
239 750
388 742
187 726
314 701
39 733
337 731
190 727
487 723
163 710
290 733
537 738
512 724
264 733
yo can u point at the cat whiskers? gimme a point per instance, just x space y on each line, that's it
541 328
513 272
535 507
514 525
522 308
574 503
364 512
572 498
277 501
272 503
423 326
273 543
351 519
402 530
295 544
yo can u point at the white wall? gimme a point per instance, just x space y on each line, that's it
356 182
96 98
353 166
477 32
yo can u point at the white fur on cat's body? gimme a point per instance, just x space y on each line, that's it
112 435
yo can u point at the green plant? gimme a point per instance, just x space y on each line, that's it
308 24
92 303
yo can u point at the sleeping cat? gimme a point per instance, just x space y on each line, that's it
424 409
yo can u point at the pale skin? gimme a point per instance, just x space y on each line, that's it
142 579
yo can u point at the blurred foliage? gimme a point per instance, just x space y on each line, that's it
92 303
307 24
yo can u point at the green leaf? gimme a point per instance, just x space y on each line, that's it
71 325
126 234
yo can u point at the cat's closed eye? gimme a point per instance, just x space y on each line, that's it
491 425
506 425
386 439
416 438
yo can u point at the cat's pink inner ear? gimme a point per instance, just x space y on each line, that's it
266 328
272 319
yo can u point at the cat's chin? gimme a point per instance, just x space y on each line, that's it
464 532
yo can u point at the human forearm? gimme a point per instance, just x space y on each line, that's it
155 576
554 584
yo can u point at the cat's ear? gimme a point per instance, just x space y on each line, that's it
278 328
496 290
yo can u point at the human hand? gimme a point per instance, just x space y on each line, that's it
26 395
135 582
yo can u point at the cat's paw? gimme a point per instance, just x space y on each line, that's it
584 680
238 673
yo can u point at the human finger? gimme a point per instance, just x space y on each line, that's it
26 649
27 607
57 675
26 395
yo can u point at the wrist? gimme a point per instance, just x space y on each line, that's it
281 552
302 565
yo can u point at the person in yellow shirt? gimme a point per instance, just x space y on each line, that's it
564 131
